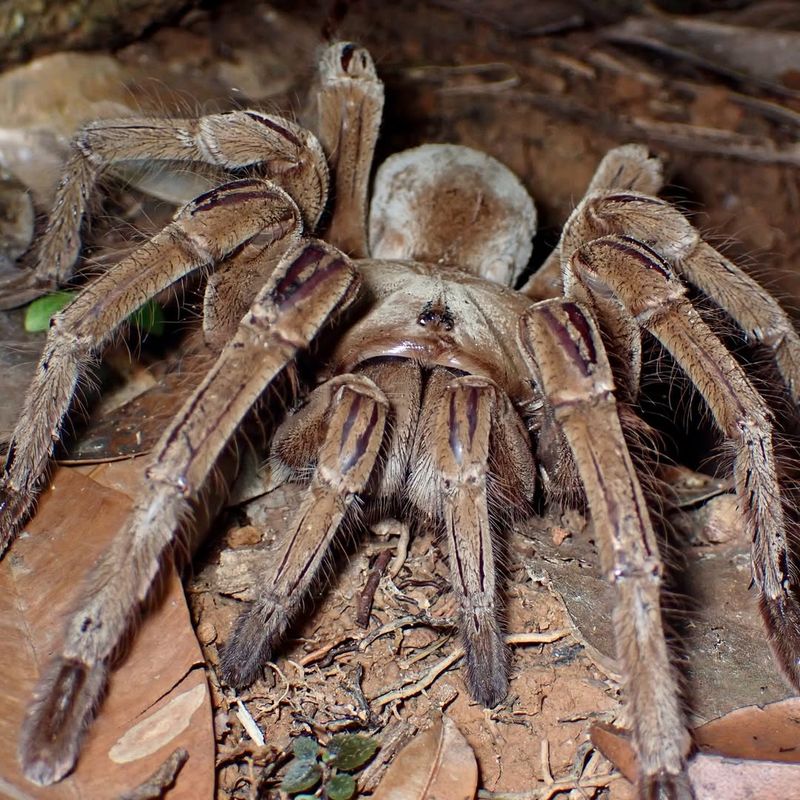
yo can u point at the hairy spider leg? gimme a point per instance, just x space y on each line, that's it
313 281
569 363
202 234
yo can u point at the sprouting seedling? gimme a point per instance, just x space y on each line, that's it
327 766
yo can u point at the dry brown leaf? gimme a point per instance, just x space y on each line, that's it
750 754
158 699
714 777
134 427
615 744
437 765
769 733
728 666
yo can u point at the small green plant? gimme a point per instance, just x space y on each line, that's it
148 319
327 766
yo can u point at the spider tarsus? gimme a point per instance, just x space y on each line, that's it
52 731
486 659
665 786
250 645
782 619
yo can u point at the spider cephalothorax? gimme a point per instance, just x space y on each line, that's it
438 389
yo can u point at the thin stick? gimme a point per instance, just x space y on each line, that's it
321 652
433 673
249 724
547 776
402 552
367 597
405 622
552 789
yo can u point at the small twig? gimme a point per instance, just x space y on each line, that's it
552 789
426 651
321 652
430 676
541 637
358 693
501 76
423 683
547 776
259 754
161 780
287 686
401 555
406 622
364 605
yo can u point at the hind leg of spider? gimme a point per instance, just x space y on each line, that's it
625 169
567 358
312 282
288 155
663 228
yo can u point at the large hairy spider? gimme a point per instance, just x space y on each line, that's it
438 389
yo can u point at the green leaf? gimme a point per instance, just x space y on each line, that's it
39 312
301 775
149 318
305 748
348 751
340 787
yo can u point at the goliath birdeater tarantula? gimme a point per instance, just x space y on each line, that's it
439 389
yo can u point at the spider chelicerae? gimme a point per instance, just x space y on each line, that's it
439 391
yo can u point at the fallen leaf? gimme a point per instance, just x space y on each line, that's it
713 777
615 744
726 664
134 427
437 765
157 700
770 732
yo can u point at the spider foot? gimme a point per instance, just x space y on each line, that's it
665 786
486 659
15 509
782 618
52 731
250 645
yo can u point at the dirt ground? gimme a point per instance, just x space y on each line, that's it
548 97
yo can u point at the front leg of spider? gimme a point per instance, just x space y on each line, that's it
248 216
567 359
311 282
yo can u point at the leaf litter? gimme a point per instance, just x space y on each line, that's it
158 698
324 681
